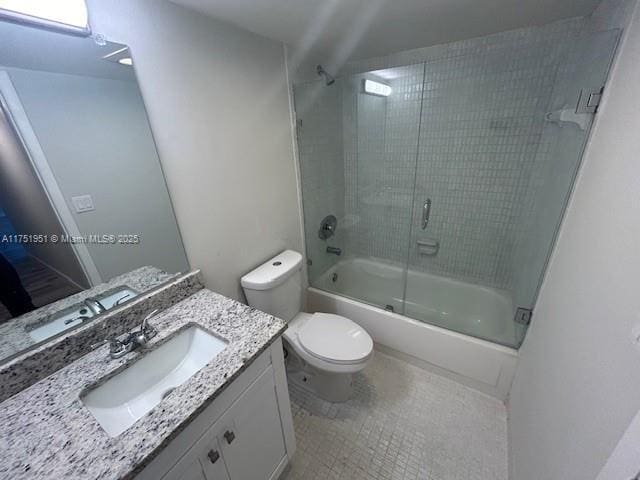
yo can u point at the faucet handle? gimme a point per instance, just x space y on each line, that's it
146 328
115 345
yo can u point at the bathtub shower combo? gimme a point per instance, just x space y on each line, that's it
434 182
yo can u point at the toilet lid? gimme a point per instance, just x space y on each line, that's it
335 339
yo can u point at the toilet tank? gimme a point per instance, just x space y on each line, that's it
275 287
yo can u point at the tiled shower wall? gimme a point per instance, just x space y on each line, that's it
380 200
481 125
319 130
560 152
465 128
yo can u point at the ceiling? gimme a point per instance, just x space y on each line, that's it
356 29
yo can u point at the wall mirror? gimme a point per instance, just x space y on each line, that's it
86 221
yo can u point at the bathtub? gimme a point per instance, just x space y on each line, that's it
458 329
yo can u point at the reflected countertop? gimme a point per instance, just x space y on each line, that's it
14 336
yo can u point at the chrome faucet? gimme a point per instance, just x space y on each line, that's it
134 340
117 348
94 305
334 250
147 332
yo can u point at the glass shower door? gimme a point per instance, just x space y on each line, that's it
357 146
502 135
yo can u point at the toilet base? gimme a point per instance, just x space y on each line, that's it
332 387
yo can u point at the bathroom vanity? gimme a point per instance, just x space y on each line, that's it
229 418
198 392
244 434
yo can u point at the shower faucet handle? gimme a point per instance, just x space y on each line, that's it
328 227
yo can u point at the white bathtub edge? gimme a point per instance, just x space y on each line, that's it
476 363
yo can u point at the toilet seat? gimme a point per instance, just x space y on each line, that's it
335 339
298 323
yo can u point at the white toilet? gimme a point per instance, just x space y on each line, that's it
324 350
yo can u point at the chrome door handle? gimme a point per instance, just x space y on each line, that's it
426 213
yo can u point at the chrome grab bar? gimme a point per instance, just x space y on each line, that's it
426 213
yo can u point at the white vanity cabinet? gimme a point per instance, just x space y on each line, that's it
245 434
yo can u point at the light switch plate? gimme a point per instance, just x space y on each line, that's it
83 203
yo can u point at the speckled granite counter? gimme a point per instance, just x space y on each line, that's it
14 336
48 434
42 360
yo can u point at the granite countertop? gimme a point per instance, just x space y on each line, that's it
14 336
47 432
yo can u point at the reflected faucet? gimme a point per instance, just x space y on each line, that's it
334 250
94 305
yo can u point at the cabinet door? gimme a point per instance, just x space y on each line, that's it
203 462
190 471
251 435
212 462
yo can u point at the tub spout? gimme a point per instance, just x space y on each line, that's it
334 250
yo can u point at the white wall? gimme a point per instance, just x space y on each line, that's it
219 108
624 462
577 387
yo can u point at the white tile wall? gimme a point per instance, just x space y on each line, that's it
483 106
483 116
319 130
556 161
464 127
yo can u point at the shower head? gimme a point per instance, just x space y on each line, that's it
323 73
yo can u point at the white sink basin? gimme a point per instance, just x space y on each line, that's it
123 399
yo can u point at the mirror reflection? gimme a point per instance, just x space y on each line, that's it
86 221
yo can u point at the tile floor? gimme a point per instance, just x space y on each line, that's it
403 423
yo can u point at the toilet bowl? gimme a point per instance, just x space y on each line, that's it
323 350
